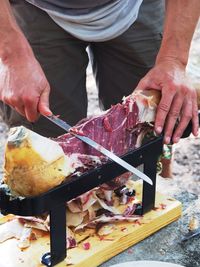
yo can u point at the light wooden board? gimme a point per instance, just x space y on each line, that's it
125 235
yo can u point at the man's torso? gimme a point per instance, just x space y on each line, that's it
101 20
74 3
92 20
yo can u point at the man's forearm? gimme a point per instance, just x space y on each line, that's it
180 22
11 36
23 85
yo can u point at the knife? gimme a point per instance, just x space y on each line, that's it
191 234
62 124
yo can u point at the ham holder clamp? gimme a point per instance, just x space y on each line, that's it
54 201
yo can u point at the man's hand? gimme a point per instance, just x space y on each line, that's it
178 97
178 100
23 85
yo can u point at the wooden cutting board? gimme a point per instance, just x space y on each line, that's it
125 235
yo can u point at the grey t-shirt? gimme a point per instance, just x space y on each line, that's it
92 20
51 4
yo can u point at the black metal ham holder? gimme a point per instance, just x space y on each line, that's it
54 201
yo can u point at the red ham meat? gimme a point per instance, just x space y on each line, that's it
119 129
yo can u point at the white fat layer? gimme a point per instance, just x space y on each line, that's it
74 160
75 219
67 167
108 194
106 229
106 207
24 241
146 112
48 149
36 225
131 106
139 140
12 229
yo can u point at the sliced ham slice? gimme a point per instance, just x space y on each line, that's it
12 229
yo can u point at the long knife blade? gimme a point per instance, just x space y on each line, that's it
62 124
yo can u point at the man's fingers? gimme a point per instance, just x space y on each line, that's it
14 103
29 105
43 104
172 117
184 120
163 109
195 119
31 108
25 106
20 110
142 85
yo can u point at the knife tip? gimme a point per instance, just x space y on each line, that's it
150 181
